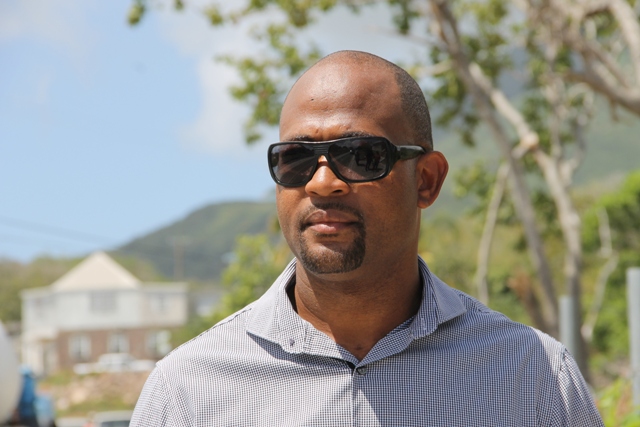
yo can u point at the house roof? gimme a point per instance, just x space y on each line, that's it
98 271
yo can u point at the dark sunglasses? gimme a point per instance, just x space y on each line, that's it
355 159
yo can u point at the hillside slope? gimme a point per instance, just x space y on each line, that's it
194 247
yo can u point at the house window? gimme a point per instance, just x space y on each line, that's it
118 343
103 302
158 343
39 307
80 348
159 303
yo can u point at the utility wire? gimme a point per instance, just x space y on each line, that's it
27 240
54 231
164 255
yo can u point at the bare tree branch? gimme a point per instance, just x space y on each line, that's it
578 124
606 251
528 138
628 21
436 69
484 248
630 99
572 24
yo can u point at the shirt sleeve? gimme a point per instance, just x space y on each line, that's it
155 407
574 405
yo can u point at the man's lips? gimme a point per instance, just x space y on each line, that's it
329 222
329 227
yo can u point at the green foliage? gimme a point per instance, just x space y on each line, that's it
212 12
614 404
257 262
623 211
265 80
16 277
486 45
611 332
136 12
405 13
299 13
448 246
547 213
477 181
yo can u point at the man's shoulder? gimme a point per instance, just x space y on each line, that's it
228 335
482 325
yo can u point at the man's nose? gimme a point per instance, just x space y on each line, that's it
325 183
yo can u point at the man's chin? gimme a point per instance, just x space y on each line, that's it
331 260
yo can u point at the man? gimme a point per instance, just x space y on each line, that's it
356 330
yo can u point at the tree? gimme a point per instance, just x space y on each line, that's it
611 232
256 263
570 50
16 277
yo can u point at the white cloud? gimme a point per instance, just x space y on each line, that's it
218 125
59 23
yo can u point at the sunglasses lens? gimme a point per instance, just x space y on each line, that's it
360 159
292 164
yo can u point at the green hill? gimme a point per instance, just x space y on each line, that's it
195 247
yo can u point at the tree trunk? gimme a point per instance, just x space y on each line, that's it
447 31
484 249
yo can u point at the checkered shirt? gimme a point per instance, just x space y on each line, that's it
456 363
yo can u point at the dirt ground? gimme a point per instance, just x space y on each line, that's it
81 395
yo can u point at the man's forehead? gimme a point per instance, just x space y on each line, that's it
338 78
343 85
342 97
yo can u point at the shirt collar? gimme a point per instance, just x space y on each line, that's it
273 318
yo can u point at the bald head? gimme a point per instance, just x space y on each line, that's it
413 103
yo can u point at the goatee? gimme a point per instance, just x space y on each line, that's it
333 260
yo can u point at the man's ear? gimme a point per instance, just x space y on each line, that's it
431 171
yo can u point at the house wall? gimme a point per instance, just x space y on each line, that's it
163 305
38 314
138 343
98 309
51 318
131 308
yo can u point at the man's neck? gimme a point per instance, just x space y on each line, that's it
357 314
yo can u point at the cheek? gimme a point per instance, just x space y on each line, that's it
392 208
285 206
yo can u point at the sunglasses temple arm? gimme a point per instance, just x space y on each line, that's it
409 151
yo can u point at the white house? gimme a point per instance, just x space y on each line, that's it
99 307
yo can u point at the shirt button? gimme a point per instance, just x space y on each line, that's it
362 370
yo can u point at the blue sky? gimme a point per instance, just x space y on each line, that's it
108 132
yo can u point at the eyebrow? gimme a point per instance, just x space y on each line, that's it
308 138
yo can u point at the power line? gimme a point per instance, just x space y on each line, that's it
54 231
31 240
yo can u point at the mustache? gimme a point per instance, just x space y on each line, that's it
336 206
